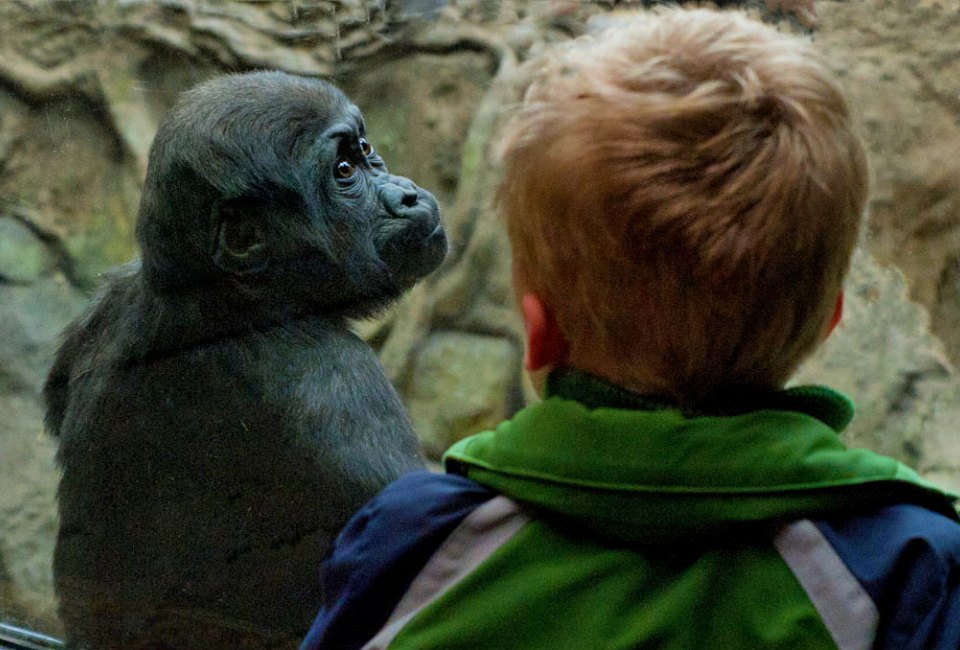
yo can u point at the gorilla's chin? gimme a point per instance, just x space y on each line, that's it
410 256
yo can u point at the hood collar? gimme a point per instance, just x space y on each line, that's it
632 468
830 407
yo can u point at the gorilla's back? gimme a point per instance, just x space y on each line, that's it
186 524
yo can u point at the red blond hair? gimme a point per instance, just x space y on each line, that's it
684 190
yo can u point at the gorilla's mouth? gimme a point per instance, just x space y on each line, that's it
411 256
435 234
434 246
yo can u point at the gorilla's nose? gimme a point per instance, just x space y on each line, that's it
397 194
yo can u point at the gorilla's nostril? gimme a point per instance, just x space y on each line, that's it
399 198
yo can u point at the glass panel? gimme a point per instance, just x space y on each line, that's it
84 86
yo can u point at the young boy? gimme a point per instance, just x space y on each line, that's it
682 192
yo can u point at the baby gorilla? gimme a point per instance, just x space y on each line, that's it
217 420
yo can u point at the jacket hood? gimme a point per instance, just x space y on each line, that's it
635 469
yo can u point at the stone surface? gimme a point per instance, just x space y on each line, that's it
31 319
884 356
462 384
69 170
23 257
899 62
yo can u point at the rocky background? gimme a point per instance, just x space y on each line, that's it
83 84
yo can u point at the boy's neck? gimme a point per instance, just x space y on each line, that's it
596 392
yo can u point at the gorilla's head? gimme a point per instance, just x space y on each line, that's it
263 189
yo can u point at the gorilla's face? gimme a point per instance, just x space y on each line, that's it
405 221
268 187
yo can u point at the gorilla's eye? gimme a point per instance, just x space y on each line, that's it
366 147
345 168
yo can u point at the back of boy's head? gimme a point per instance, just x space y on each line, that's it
684 191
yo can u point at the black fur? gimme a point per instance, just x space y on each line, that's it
218 422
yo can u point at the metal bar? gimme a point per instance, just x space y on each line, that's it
18 638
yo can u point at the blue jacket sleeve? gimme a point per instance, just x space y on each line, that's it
382 549
908 560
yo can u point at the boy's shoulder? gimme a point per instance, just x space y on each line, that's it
907 559
383 548
405 522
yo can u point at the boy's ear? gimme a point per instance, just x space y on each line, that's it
835 318
545 344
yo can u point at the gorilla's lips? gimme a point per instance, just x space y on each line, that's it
411 255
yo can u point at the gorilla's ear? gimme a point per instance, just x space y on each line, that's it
240 246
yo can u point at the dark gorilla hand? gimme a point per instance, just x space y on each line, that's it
218 422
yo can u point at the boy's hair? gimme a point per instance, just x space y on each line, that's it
684 190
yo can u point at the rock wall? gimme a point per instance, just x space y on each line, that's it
36 303
899 61
83 85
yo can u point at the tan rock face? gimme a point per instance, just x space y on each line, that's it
31 317
883 356
462 383
899 61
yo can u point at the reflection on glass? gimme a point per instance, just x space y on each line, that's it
83 86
